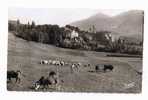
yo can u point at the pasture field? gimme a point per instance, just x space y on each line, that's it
25 56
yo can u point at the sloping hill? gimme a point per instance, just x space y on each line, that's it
128 24
100 21
25 56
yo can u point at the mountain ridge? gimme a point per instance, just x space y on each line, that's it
128 24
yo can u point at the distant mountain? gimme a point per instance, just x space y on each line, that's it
128 24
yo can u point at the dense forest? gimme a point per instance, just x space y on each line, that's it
101 41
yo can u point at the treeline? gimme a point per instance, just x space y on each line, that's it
122 46
61 37
49 34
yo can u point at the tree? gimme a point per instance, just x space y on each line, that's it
32 25
18 25
18 22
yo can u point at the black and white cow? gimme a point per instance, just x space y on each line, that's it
44 62
46 82
14 74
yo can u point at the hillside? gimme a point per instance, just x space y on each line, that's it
25 56
129 24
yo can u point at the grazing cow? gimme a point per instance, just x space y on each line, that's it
53 77
58 63
50 62
14 74
74 67
87 65
108 67
44 62
79 64
62 63
52 73
54 62
44 82
99 67
140 73
104 67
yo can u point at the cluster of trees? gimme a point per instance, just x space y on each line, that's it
121 46
55 35
49 34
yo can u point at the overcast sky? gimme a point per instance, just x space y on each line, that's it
58 16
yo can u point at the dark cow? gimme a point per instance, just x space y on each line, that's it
44 82
52 73
99 67
14 74
104 68
53 77
108 67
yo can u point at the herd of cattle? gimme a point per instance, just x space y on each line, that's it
52 79
74 66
